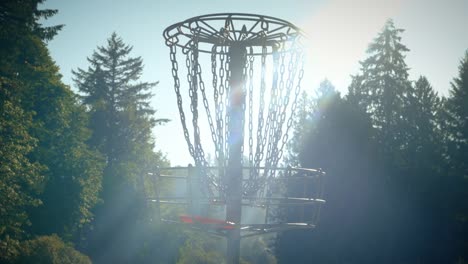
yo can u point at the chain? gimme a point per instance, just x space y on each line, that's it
195 151
215 83
294 105
271 120
261 141
175 68
192 81
245 71
270 127
280 109
250 76
252 184
226 103
194 70
221 106
201 85
280 99
284 94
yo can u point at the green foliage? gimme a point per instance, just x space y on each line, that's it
424 145
457 127
22 17
121 120
200 249
257 250
300 129
395 155
20 179
310 110
71 181
73 177
204 249
50 250
158 243
381 88
457 109
338 141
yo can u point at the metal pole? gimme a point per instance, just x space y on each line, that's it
236 140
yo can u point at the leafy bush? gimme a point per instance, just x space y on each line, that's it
201 249
257 250
50 250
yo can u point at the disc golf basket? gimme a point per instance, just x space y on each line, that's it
237 78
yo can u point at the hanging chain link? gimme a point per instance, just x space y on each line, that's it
193 94
175 68
227 104
270 129
201 85
252 185
245 71
221 107
285 91
277 121
298 60
261 121
250 94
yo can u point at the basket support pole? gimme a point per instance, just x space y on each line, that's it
236 110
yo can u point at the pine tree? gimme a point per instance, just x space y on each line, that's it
121 120
300 128
383 85
322 102
424 134
22 18
310 110
457 126
457 107
119 105
338 141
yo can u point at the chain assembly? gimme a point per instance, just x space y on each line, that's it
271 85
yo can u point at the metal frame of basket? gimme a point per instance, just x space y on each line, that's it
305 207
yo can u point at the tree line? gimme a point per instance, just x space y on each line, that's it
396 154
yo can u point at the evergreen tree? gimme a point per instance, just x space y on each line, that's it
356 93
424 135
22 18
42 127
310 110
457 124
300 128
383 85
457 108
121 120
338 141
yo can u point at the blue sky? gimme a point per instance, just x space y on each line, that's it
339 32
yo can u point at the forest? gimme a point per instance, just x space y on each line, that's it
394 150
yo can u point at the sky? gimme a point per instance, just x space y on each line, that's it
339 32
